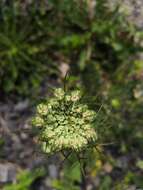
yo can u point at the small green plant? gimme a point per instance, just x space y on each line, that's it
23 61
65 123
25 180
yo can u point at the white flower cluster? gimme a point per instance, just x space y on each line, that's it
64 122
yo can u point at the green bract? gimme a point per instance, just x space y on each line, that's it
64 122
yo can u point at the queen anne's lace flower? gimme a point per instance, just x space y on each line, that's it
64 122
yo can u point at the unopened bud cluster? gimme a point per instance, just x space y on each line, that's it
64 122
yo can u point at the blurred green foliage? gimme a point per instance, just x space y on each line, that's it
25 180
23 53
69 179
32 47
2 143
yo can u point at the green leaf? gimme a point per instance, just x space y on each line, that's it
139 164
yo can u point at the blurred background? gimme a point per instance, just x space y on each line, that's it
99 43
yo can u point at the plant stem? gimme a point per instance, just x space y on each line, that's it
83 177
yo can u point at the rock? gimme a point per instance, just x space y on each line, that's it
53 173
64 68
122 162
21 106
132 8
7 172
16 142
132 187
108 167
24 136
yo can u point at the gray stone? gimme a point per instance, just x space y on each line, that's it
7 172
132 8
53 173
21 106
